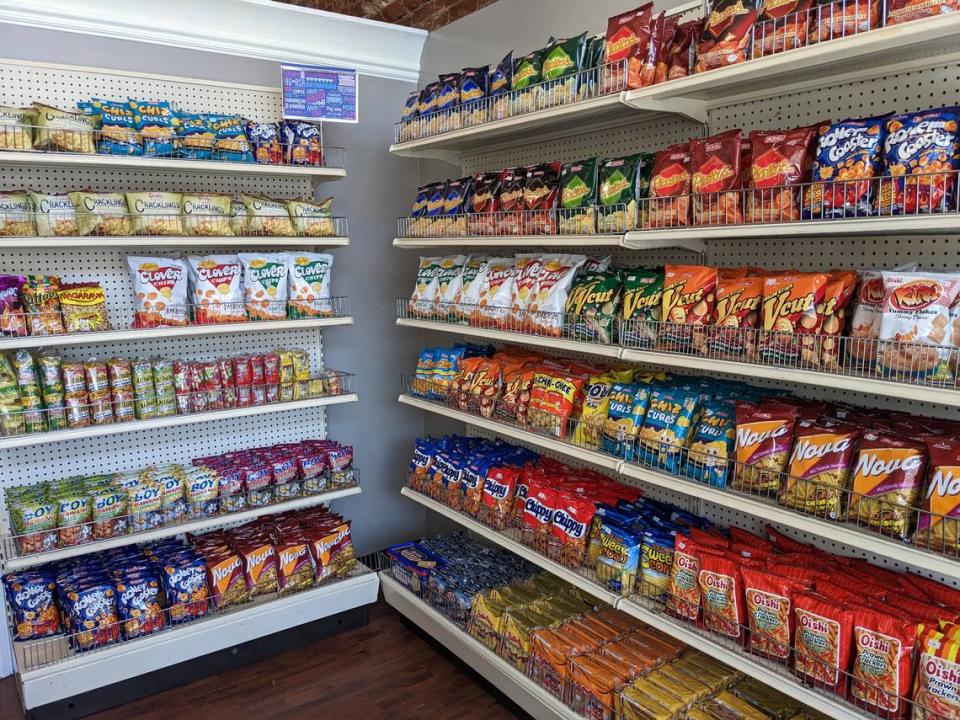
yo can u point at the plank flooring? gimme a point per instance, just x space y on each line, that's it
382 670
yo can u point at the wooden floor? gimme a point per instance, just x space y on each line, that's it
382 670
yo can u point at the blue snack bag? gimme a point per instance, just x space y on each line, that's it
194 137
667 428
230 138
710 455
118 128
625 416
156 125
656 560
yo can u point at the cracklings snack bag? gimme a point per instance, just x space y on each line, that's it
669 204
160 289
217 295
265 281
715 168
769 611
764 439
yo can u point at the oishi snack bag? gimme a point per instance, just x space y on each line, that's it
449 284
676 58
715 168
484 204
764 439
267 217
160 288
100 213
736 316
669 204
641 307
473 89
621 184
309 285
592 305
156 123
816 479
472 283
217 289
769 611
886 484
901 11
529 267
882 664
546 309
711 449
62 130
265 281
938 527
726 35
207 214
561 63
790 309
822 641
578 196
867 318
527 94
54 214
721 594
688 300
667 427
840 19
779 158
781 26
156 213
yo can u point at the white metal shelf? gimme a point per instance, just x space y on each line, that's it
42 438
536 701
124 162
38 341
510 241
165 241
548 443
80 673
20 562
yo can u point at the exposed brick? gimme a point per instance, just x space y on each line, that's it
426 14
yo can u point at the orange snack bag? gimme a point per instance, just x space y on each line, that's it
670 188
689 295
790 303
736 316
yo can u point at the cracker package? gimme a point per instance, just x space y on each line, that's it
937 683
312 219
16 128
592 306
160 289
634 39
764 439
217 289
736 317
887 480
578 197
822 641
689 297
266 216
939 527
819 469
55 215
16 215
207 214
882 664
265 282
915 328
710 456
669 204
715 181
725 38
721 593
100 213
845 164
790 302
769 611
780 161
667 428
63 130
156 213
641 307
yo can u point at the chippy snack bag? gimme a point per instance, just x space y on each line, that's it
939 524
217 289
670 188
207 214
689 297
711 449
309 285
790 303
160 288
715 165
886 485
667 428
265 281
764 439
816 479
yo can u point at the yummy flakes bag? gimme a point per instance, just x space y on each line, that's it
309 285
265 281
217 289
160 289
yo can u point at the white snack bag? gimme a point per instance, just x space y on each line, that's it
449 284
54 214
425 292
217 289
472 285
160 289
547 308
529 266
265 285
309 279
499 289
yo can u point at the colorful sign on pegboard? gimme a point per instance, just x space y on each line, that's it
319 93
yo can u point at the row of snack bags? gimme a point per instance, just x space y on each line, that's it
578 198
134 591
245 287
890 474
44 392
41 305
638 49
84 212
78 510
145 128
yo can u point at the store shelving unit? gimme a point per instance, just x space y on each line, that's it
519 241
167 241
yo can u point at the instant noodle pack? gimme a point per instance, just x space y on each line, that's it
131 592
78 510
158 129
41 392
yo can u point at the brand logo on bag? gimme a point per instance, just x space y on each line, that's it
159 277
570 525
538 510
808 450
496 490
872 465
916 295
211 271
945 482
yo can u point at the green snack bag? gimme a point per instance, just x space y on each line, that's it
616 191
592 306
578 198
640 309
527 75
562 60
33 516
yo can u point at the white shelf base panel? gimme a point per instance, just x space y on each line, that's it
162 333
844 535
18 563
521 241
165 241
101 430
536 701
82 673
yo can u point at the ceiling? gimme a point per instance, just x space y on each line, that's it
424 14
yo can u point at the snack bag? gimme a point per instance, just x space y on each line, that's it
484 204
901 11
837 298
619 558
472 283
230 138
424 297
265 279
545 311
207 214
156 125
626 410
633 38
578 197
622 183
499 83
309 285
312 219
915 327
83 307
595 410
736 317
866 320
561 394
453 223
592 307
924 144
100 213
764 439
12 320
936 690
239 217
769 611
31 597
497 499
819 469
541 190
711 449
676 58
780 160
54 214
497 296
265 139
822 641
683 590
721 594
302 143
938 527
473 90
666 429
669 204
63 130
689 297
118 128
194 137
156 213
840 19
781 26
510 220
641 308
715 169
846 161
569 522
527 93
40 295
16 128
726 35
160 288
267 217
561 63
887 480
216 282
882 666
449 285
790 303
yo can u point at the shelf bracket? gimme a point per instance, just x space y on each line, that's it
687 107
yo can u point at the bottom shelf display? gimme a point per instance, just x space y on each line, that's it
546 646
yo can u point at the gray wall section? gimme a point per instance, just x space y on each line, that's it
378 188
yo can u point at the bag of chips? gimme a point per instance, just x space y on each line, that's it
578 197
207 214
669 204
54 214
667 428
882 666
303 142
16 128
833 320
101 213
448 102
41 304
541 189
312 219
217 292
817 476
779 163
770 612
156 213
472 284
781 26
763 442
156 125
715 168
622 188
499 85
545 310
633 44
901 11
725 39
592 306
736 317
497 296
721 593
641 307
16 215
939 526
424 298
160 287
527 92
309 280
790 303
266 216
63 130
12 320
822 641
710 456
195 137
265 140
473 92
265 279
118 128
83 307
840 18
689 296
230 138
626 409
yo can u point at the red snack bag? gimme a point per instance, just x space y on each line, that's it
715 171
497 499
822 641
510 199
781 26
816 480
271 368
294 569
689 294
725 39
484 204
839 18
676 59
769 611
572 516
721 594
670 188
634 37
745 537
901 11
939 526
785 543
683 592
790 303
838 295
538 515
558 397
781 160
226 580
933 590
541 188
883 650
763 442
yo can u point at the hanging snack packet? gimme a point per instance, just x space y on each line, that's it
101 213
217 292
726 35
207 214
790 303
887 480
194 137
844 167
448 102
118 128
689 295
939 526
16 128
715 167
924 144
160 288
16 215
83 307
155 123
309 281
781 26
266 216
156 213
62 130
473 92
545 311
669 204
527 93
667 428
641 308
265 140
312 219
882 664
817 477
578 197
592 306
230 139
265 285
41 304
711 452
54 214
764 439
